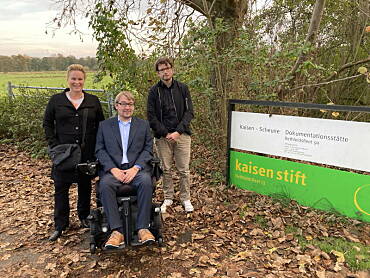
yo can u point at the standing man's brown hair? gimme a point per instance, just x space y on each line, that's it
170 111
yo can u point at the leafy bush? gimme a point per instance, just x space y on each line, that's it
5 116
21 120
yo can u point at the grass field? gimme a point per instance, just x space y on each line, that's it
43 79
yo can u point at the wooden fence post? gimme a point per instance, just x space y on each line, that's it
10 91
110 103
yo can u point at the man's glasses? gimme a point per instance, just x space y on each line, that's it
164 69
125 104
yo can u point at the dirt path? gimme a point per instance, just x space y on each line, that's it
232 233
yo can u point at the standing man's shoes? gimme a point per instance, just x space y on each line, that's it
84 223
54 236
166 203
188 206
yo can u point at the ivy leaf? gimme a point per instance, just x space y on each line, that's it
335 114
362 70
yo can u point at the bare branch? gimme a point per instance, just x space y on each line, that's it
194 4
325 83
346 66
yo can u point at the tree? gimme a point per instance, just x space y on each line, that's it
334 54
312 32
21 62
160 22
250 53
6 64
35 64
231 13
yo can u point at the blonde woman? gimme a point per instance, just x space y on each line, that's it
63 124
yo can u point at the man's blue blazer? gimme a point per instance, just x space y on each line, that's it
108 149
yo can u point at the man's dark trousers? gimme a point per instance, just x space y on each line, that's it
108 187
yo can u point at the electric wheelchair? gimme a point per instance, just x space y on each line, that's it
127 203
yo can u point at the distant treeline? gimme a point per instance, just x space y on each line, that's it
58 62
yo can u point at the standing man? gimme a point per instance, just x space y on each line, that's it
124 149
170 111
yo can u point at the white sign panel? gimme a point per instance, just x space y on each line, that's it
333 142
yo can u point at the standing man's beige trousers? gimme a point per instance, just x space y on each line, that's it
179 152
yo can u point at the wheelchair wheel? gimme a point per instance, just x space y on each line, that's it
92 248
156 226
160 242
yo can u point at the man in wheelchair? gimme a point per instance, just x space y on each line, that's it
124 150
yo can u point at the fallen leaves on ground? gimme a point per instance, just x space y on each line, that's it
231 233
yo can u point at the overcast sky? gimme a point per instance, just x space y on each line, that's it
22 31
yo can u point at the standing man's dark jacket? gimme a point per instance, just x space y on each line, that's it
180 101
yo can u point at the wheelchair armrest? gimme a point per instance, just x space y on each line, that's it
156 169
155 161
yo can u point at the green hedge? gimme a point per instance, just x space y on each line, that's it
21 120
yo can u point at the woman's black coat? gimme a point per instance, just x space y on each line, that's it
63 125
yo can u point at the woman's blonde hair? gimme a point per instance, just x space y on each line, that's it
76 67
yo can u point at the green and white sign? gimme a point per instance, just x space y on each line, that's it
332 142
323 188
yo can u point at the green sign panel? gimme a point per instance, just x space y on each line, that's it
322 188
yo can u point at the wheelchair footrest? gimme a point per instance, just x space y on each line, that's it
135 242
113 249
